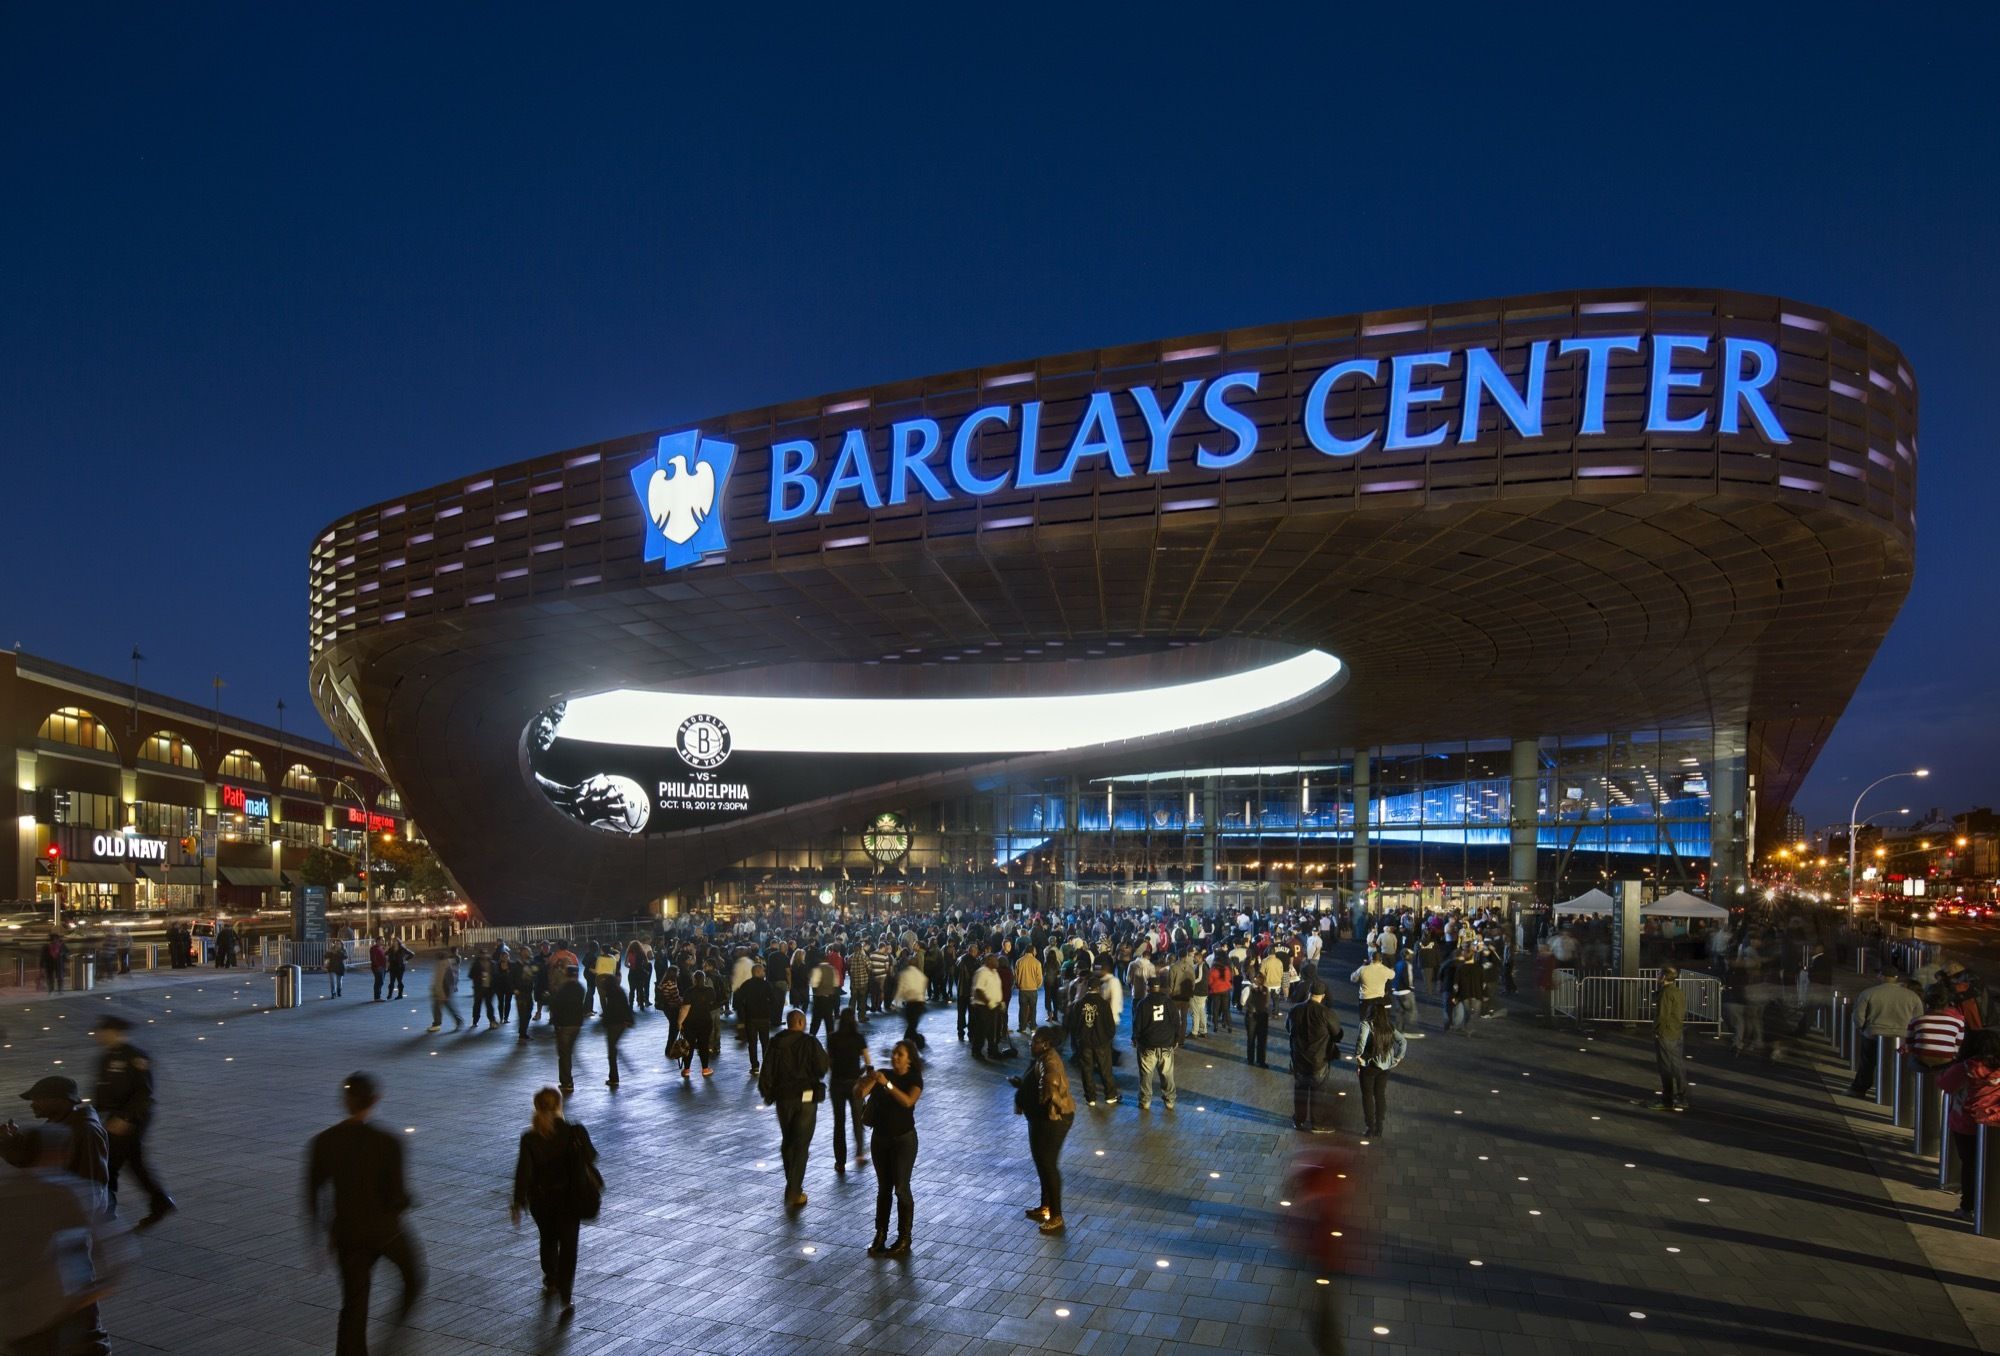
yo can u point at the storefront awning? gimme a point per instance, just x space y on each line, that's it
172 875
99 873
250 875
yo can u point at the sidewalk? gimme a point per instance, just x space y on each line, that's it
1527 1199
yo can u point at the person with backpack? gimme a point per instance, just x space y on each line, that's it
556 1181
792 1083
1380 1048
1091 1027
1043 1096
1256 1021
847 1063
1974 1085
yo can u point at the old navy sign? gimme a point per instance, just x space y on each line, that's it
1130 432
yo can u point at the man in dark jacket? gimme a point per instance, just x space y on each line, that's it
1315 1033
55 1100
569 1004
792 1082
124 1098
756 1005
1090 1030
364 1166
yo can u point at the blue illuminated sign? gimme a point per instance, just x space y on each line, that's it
680 487
1128 434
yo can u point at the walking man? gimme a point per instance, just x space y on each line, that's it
444 993
124 1099
568 1006
794 1068
364 1166
1028 988
1669 1013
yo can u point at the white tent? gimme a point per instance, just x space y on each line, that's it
1590 901
1681 904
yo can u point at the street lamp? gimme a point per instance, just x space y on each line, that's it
367 855
1854 828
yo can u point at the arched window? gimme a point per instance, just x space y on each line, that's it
389 803
73 725
242 766
169 748
302 778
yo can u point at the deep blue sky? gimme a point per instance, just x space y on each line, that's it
265 265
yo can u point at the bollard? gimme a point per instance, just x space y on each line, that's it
1840 1025
1909 1089
1927 1134
1948 1154
1986 1200
1885 1069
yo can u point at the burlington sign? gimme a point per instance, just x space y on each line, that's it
1130 432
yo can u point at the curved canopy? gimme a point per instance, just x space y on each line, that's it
1681 904
1590 901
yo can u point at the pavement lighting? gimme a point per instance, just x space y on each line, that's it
1702 1200
409 1129
1475 1262
1635 1314
1482 1158
1321 1280
1631 1165
1286 1204
808 1250
1215 1174
1098 1152
1381 1332
1534 1212
1673 1249
1062 1313
1520 1179
1161 1263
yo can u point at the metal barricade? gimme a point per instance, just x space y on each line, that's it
1564 999
1635 999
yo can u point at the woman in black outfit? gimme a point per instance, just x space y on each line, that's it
668 994
846 1056
892 1107
698 1024
554 1155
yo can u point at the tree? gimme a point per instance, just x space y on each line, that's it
325 867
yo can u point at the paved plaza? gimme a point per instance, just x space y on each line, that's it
1528 1199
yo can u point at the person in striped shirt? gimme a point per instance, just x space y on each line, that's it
1935 1037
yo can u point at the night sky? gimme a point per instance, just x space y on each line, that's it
266 265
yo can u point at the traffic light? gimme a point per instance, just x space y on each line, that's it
53 852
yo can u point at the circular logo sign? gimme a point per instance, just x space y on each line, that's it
703 742
887 838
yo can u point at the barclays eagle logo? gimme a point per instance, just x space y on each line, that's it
680 489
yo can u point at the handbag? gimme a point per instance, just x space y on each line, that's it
678 1048
587 1183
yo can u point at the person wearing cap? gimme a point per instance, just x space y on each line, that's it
364 1168
55 1101
124 1098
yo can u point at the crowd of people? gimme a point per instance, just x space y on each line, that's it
1085 993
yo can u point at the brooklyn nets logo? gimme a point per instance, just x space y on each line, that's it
703 742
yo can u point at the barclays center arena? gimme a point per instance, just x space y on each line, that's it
1501 596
